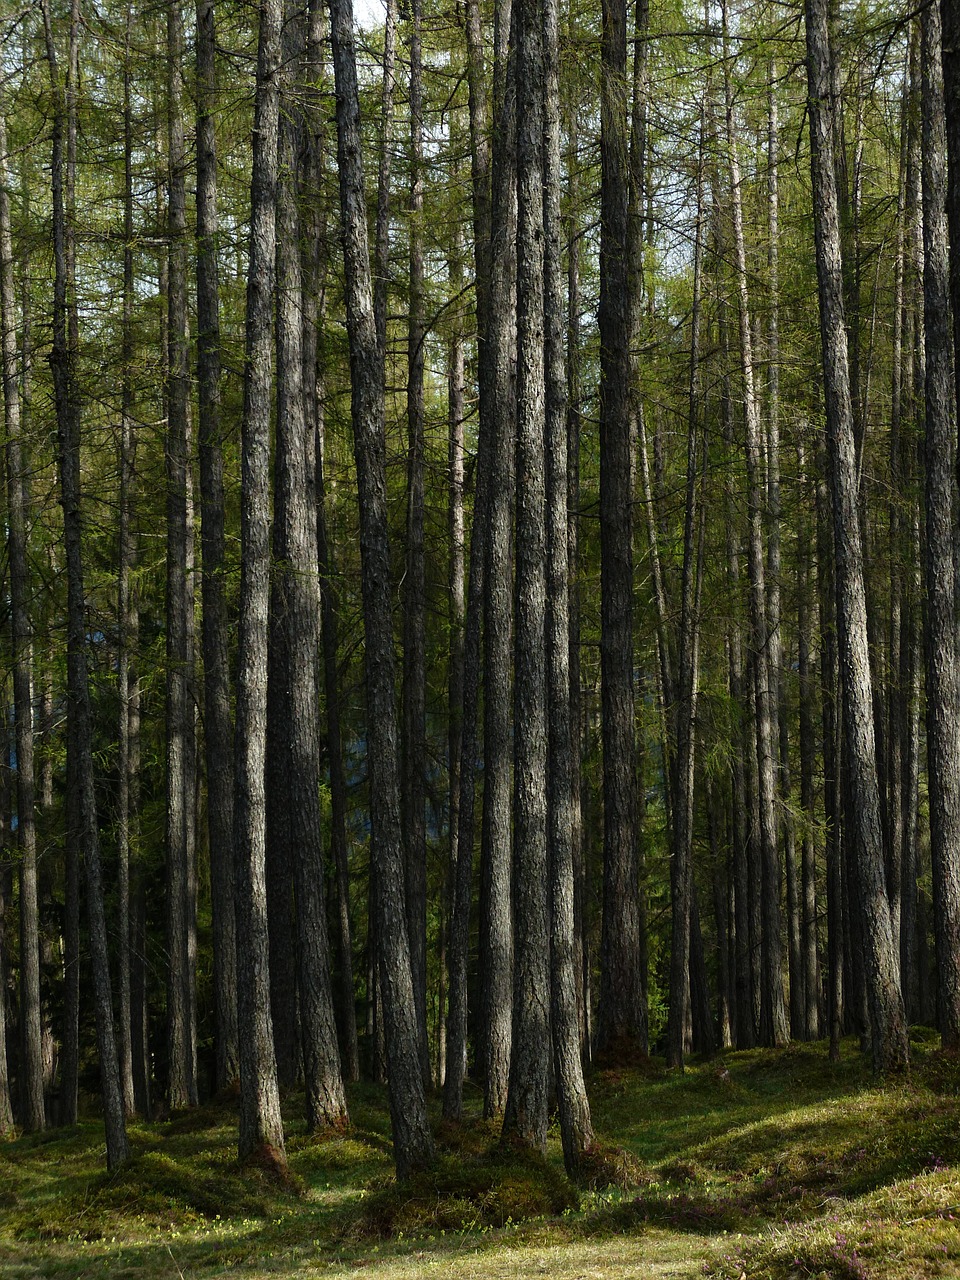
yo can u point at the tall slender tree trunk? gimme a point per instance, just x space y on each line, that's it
576 1129
526 1113
682 698
950 36
181 923
218 726
62 360
298 599
413 1146
462 871
888 1022
456 585
261 1125
18 508
773 1021
414 682
314 210
940 505
496 920
807 737
621 1013
127 612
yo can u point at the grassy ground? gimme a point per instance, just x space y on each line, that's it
763 1164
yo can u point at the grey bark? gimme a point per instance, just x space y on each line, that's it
497 374
181 921
621 1014
62 360
773 1021
414 681
456 1058
525 1118
888 1022
576 1130
413 1146
218 724
18 509
298 596
940 494
261 1125
127 611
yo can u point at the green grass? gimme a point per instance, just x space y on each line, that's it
776 1165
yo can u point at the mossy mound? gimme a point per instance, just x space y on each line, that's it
495 1189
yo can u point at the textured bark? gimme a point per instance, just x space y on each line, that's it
330 620
18 514
413 1146
62 361
462 871
381 264
773 1021
950 36
778 708
456 586
621 1012
744 1029
298 595
525 1119
888 1023
414 682
809 956
576 1130
181 921
218 726
261 1126
6 1105
940 494
496 374
682 698
127 611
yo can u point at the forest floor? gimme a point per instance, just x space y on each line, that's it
761 1164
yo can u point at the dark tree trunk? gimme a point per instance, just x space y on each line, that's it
62 361
18 516
940 505
576 1130
261 1126
773 1019
950 14
414 681
462 870
526 1114
497 401
808 754
298 595
127 609
181 921
621 1015
888 1023
218 726
413 1145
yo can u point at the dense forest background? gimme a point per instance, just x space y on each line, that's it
481 529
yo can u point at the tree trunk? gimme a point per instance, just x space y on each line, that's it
462 871
940 504
576 1130
950 15
62 361
773 1021
621 1015
18 516
296 577
261 1126
414 681
526 1113
496 395
888 1023
218 727
181 922
413 1146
